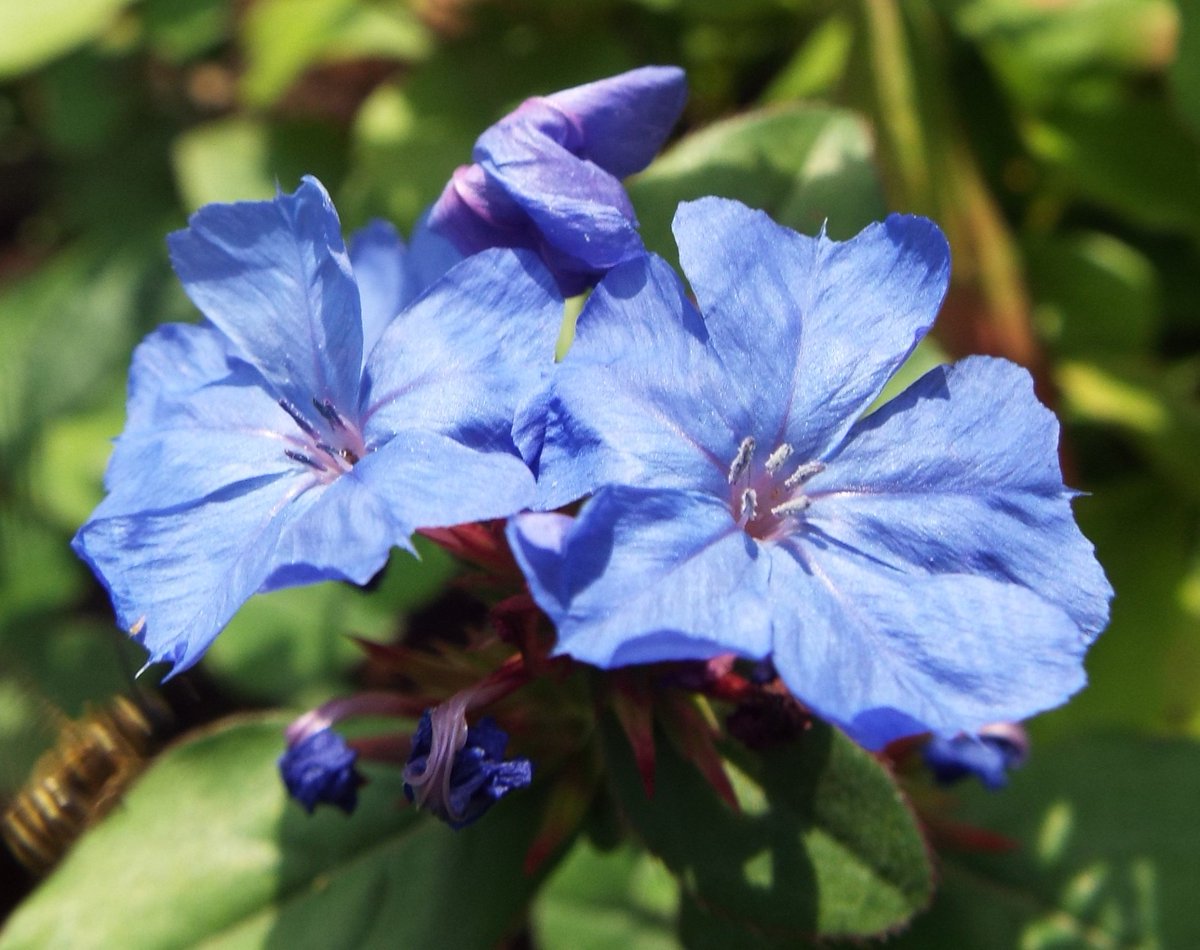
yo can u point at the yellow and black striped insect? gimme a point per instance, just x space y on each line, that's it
81 778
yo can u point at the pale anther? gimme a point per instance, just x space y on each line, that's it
777 458
804 473
749 506
741 461
792 507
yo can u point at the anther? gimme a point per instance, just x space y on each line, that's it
741 461
803 474
778 457
328 413
749 508
793 506
302 459
295 413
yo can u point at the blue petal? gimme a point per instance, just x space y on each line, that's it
385 286
810 329
886 654
959 474
662 420
180 448
174 360
428 480
580 212
621 122
176 578
642 576
343 531
274 276
465 355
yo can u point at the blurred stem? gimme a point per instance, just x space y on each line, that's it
931 168
897 115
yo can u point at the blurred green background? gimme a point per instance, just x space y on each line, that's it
1057 143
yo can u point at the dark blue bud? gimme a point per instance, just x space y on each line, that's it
461 789
320 768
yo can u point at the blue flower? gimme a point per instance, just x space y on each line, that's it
547 176
915 569
988 755
457 771
262 450
320 768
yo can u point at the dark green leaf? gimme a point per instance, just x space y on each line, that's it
1144 668
1095 294
206 847
824 844
599 900
1108 842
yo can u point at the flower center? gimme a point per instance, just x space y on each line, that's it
331 445
767 499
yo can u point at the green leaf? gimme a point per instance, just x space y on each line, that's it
206 848
33 33
824 844
1132 156
801 164
1185 71
284 37
1144 670
1157 406
239 159
1095 294
1057 52
597 900
1107 858
182 30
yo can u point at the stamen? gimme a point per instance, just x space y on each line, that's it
296 415
741 461
793 506
348 456
302 459
749 508
329 414
778 457
803 474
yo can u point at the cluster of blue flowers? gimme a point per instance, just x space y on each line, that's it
915 568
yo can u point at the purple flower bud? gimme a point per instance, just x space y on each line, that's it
320 768
458 771
547 176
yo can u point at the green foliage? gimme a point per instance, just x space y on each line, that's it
595 900
206 848
823 844
1105 853
34 33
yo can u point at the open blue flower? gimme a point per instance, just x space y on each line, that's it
261 450
917 569
547 176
